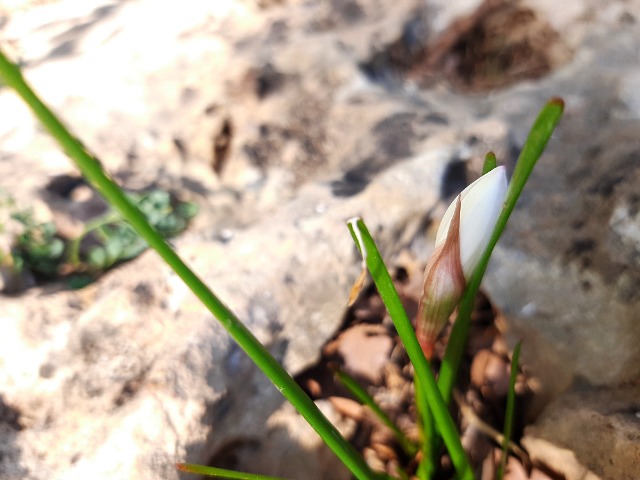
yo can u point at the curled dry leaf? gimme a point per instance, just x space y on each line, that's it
356 288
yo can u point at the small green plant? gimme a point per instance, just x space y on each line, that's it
37 248
113 240
432 397
106 241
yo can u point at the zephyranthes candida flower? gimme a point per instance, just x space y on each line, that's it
463 235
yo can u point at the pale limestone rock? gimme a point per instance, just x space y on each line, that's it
125 378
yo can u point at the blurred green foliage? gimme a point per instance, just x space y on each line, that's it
117 241
37 248
106 241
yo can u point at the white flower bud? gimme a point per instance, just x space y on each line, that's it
482 203
463 235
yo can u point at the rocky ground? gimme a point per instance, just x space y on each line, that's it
281 119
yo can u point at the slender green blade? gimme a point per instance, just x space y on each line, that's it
91 169
490 163
430 447
508 416
222 473
537 140
363 396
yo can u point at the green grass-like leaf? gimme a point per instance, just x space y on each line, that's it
222 473
430 440
508 416
93 173
490 162
363 396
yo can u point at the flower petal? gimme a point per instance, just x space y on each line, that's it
482 203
